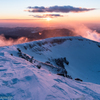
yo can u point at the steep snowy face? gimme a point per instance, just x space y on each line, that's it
29 71
82 54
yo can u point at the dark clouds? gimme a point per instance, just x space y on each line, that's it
63 9
47 15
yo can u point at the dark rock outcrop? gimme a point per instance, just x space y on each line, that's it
77 79
60 62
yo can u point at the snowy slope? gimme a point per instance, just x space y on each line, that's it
22 80
83 55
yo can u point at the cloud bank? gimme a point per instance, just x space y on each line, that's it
84 31
78 30
47 15
8 42
62 9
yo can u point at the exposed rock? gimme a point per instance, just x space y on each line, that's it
78 79
48 62
18 49
25 47
60 62
11 54
68 76
31 59
61 74
24 56
38 66
98 45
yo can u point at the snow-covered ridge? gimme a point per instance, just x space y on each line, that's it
22 80
82 54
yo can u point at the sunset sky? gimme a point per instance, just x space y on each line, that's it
49 12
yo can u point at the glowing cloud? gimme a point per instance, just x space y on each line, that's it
84 31
62 9
47 16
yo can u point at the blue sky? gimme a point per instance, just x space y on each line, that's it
14 9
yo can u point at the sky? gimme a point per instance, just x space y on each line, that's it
49 12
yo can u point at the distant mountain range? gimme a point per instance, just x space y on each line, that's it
33 33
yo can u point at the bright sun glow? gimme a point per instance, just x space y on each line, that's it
48 19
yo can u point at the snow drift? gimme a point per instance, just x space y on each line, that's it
21 79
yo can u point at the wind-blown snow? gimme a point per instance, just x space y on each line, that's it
22 80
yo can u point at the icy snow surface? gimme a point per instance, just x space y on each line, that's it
22 80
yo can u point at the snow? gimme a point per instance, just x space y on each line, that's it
22 80
82 54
